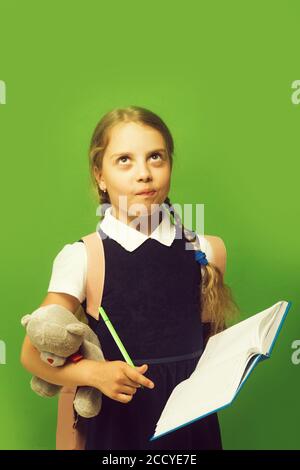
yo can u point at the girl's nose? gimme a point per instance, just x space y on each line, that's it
143 174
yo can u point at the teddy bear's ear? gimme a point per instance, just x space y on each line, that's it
76 328
25 320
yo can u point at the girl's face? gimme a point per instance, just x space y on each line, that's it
135 160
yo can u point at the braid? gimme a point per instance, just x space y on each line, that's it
189 235
216 299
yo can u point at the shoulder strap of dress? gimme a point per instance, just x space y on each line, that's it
95 273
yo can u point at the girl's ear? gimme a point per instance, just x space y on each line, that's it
97 173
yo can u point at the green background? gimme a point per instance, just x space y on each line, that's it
220 75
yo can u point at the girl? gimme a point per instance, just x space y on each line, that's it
162 299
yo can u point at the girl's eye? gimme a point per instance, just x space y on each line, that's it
156 154
125 156
120 158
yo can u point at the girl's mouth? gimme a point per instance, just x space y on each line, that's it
147 194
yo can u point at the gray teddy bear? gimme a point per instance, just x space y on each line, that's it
58 334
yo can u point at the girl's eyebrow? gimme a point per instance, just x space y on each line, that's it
129 153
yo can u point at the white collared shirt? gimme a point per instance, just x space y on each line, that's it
130 238
70 265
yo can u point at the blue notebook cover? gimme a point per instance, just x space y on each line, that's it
253 361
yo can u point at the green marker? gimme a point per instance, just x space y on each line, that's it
116 337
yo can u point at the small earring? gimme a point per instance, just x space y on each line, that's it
104 190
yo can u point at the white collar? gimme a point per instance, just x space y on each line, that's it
131 238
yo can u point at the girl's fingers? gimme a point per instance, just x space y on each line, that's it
136 376
128 389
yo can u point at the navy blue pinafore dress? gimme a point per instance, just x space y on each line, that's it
151 296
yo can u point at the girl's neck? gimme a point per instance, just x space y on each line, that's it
145 224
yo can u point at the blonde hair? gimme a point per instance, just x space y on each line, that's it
216 297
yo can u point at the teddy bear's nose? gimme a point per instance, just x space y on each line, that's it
50 360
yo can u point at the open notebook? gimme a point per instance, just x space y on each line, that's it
226 363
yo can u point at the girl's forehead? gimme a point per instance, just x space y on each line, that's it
135 135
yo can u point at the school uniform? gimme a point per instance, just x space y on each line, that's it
152 297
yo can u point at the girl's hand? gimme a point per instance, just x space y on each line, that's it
117 379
